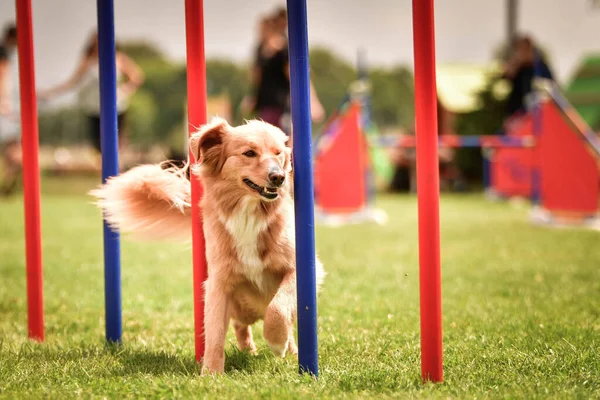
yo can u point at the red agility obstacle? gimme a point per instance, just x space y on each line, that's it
196 69
565 156
31 171
511 168
428 186
569 172
338 157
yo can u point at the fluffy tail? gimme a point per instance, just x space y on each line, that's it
148 201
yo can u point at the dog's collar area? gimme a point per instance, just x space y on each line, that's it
267 193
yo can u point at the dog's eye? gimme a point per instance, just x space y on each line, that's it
278 153
250 153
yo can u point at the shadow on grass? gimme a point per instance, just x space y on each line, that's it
118 360
236 360
153 362
156 362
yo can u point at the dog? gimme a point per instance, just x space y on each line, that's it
248 221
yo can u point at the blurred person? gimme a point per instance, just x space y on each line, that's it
520 70
280 25
270 76
87 78
272 72
10 129
248 105
280 21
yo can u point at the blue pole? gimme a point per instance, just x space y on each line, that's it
536 111
486 168
110 163
303 188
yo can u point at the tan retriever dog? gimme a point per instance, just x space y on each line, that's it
248 217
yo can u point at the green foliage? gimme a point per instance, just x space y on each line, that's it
520 310
392 88
162 94
141 119
331 76
393 96
226 77
157 112
486 120
62 127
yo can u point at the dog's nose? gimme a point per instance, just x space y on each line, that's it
276 177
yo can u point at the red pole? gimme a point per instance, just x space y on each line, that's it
428 182
31 171
196 78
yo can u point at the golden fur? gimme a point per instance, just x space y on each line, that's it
248 219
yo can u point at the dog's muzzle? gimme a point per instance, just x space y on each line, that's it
268 193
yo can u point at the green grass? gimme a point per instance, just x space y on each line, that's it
521 311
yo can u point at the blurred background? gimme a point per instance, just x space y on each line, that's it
472 41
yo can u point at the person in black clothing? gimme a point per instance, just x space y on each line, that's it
280 20
270 99
10 130
8 45
273 86
523 66
269 93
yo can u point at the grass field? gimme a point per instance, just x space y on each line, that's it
521 311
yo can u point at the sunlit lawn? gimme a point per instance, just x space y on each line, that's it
521 311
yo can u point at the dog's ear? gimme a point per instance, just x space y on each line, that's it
206 145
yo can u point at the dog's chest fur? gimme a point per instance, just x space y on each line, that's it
245 226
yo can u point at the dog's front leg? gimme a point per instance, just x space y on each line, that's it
216 321
280 316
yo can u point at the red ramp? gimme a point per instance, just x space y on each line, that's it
341 166
511 168
569 172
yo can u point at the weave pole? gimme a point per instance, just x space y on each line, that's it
428 184
110 163
31 172
196 86
308 357
537 128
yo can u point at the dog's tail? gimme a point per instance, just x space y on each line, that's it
149 201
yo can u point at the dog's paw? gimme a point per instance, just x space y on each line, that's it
210 372
292 348
278 349
212 368
249 347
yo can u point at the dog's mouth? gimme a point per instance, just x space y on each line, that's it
268 193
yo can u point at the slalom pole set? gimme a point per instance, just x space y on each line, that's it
427 167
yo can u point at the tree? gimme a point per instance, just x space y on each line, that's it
392 88
157 111
331 76
393 96
159 104
226 77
